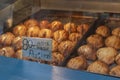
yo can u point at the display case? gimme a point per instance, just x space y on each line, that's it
83 37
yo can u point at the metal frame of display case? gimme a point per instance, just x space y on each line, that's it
14 69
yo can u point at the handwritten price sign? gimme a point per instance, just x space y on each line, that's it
38 48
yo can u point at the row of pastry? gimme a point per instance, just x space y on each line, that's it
64 37
100 52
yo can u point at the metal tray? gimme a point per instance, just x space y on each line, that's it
64 17
110 22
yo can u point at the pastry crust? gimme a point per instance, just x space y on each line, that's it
56 25
18 54
107 55
70 27
98 67
116 31
104 31
20 30
45 33
60 35
7 51
33 31
87 51
117 59
54 46
113 41
75 37
44 24
82 28
57 58
95 40
115 71
17 43
77 63
31 22
6 39
66 47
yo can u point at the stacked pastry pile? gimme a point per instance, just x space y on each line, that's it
100 54
64 37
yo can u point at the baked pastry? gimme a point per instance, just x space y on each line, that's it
104 31
98 67
31 22
19 30
115 71
60 35
57 58
82 28
70 27
45 33
106 54
116 31
66 47
77 63
18 54
54 46
87 51
17 43
44 24
33 31
6 39
75 37
113 41
56 25
95 41
7 51
117 59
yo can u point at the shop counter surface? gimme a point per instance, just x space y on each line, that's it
14 69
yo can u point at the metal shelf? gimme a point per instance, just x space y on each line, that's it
14 69
112 6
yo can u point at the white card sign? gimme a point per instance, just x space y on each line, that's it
37 48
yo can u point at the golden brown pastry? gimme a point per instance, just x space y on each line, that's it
66 47
75 37
113 41
116 31
17 43
31 22
19 30
18 54
56 25
115 71
60 35
57 58
7 51
98 67
95 40
33 31
106 54
54 46
77 63
104 31
70 27
45 33
6 39
87 51
83 28
117 59
44 24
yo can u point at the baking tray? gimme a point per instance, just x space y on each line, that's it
112 23
98 22
64 17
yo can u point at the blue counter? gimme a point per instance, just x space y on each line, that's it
13 69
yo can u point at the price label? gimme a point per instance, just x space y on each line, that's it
38 48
